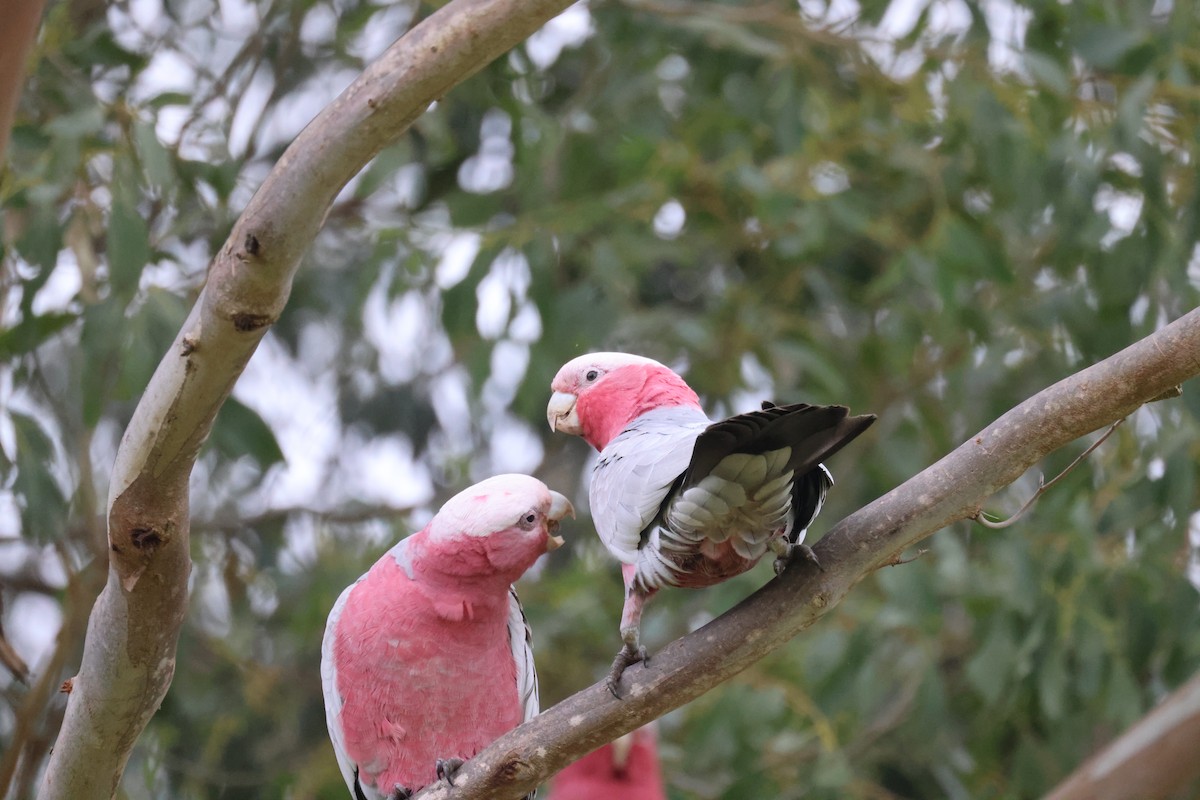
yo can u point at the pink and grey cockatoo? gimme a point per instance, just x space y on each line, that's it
627 769
682 500
427 657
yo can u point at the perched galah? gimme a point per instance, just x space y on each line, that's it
682 500
626 769
427 658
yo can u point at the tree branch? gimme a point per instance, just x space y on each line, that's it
17 35
129 654
1156 757
952 489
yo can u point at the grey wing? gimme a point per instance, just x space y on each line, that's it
333 703
520 641
333 699
636 472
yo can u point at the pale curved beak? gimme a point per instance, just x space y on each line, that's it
560 507
560 413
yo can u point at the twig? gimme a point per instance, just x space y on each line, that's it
897 559
982 518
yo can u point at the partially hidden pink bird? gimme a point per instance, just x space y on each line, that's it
681 500
627 769
427 658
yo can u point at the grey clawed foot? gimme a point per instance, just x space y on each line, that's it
400 793
807 554
628 656
793 552
446 769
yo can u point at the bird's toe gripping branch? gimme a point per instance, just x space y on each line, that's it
446 768
787 552
630 654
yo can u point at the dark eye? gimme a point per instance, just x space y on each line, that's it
591 375
528 520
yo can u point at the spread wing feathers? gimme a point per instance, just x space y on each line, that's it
333 703
636 472
755 474
813 434
520 640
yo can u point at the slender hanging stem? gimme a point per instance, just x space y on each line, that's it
982 517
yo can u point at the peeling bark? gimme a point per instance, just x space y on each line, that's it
952 489
133 632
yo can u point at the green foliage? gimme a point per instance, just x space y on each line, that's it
790 206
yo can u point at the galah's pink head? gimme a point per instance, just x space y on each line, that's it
498 527
596 396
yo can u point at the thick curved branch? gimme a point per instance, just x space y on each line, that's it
129 654
1156 757
952 489
17 35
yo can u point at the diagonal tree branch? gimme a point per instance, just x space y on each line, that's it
129 654
952 489
1156 757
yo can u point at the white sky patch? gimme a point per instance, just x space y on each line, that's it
296 109
249 111
1193 569
168 71
453 406
382 470
319 25
239 17
396 328
1138 309
509 362
1193 267
457 255
61 287
148 17
303 413
669 219
385 27
506 281
671 71
571 28
829 178
1123 210
1007 23
10 513
211 602
513 447
1126 163
832 13
32 623
758 382
491 169
1156 469
526 325
300 550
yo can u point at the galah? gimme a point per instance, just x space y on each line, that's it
681 500
427 658
627 769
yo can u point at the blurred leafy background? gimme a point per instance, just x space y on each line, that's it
925 209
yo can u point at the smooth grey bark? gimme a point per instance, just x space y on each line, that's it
133 631
952 489
1156 757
